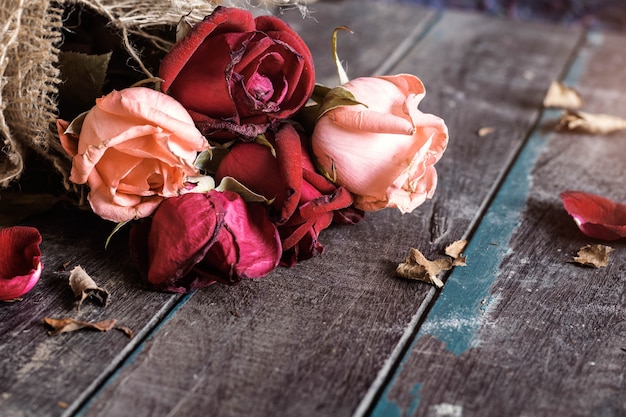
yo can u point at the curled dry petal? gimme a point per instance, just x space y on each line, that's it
596 216
20 261
198 239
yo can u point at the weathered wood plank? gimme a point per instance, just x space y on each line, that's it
311 340
43 375
521 330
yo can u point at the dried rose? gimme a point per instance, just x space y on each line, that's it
20 262
384 149
239 74
304 202
136 146
198 239
596 216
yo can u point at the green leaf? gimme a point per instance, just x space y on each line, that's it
249 196
319 92
343 76
337 97
83 78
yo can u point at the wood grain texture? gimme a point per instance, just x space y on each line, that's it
550 335
310 340
39 371
381 34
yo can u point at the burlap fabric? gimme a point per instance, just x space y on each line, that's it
30 37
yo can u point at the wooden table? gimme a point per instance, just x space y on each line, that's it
519 331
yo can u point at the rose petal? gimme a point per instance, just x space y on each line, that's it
596 216
20 262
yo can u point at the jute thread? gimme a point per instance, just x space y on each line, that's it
30 38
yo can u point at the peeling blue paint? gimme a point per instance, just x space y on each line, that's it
456 316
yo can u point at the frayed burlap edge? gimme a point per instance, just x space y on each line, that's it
30 38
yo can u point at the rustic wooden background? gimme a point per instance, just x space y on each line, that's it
519 331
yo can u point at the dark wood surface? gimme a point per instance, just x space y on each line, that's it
519 331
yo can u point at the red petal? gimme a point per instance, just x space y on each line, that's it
20 263
183 228
596 216
222 20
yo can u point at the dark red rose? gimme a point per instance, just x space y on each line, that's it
198 239
239 74
20 261
304 202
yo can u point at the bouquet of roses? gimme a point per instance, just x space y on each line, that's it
238 161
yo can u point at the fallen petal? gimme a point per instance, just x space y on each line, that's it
20 262
596 216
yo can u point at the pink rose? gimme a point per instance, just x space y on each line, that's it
304 202
235 73
198 239
135 148
384 150
20 262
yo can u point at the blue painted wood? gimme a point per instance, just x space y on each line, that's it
452 335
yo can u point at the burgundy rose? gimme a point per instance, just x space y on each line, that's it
20 262
198 239
304 202
235 73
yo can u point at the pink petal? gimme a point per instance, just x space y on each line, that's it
596 216
20 263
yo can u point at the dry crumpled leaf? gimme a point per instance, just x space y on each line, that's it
65 325
84 286
455 251
596 256
561 96
591 123
417 267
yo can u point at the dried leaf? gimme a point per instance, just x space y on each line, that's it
484 131
596 256
455 250
84 286
66 325
126 330
561 96
417 267
600 124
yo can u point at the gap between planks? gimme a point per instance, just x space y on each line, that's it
386 374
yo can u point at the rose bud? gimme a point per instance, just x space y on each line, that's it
20 263
384 149
304 202
198 239
235 73
135 148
